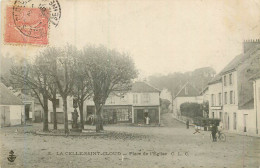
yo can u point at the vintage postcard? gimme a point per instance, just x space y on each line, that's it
133 83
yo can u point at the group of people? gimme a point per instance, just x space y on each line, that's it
214 130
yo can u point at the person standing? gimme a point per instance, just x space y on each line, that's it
214 131
187 124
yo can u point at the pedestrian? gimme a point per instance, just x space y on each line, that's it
214 131
187 124
147 120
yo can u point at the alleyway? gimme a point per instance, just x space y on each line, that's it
129 146
168 121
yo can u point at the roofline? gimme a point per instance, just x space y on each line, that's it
214 82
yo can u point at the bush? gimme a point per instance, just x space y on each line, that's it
192 110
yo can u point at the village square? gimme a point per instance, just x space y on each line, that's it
130 84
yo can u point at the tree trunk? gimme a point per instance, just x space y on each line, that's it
99 120
81 113
45 114
65 110
54 113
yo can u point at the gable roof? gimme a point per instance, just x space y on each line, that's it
7 97
192 91
139 87
238 60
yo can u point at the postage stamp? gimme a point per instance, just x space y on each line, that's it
28 21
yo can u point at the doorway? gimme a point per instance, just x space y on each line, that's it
140 115
245 122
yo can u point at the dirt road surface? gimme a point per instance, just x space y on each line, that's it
128 146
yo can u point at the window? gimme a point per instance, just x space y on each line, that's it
235 121
135 98
225 80
212 100
213 115
122 115
221 116
57 103
219 99
230 79
186 91
231 97
225 98
111 100
146 98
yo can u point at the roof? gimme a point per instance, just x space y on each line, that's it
247 105
204 90
216 79
139 87
191 91
7 97
238 60
255 76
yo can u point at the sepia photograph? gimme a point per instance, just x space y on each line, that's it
130 84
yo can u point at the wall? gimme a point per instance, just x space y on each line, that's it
257 104
16 112
251 127
70 108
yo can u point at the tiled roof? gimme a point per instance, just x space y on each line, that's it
139 87
7 97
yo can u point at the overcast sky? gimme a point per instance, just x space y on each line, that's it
162 36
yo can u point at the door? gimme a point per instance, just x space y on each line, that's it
245 122
5 116
140 116
27 112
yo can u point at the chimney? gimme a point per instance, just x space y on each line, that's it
248 44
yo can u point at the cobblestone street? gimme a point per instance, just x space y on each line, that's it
171 145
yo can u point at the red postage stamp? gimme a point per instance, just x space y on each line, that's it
27 22
26 25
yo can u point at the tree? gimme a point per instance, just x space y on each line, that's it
109 71
82 89
34 78
65 77
48 58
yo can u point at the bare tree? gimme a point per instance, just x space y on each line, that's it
65 77
34 78
109 71
82 88
48 58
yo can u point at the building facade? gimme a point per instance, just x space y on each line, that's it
215 98
233 100
142 101
11 108
186 94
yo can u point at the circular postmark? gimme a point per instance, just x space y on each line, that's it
32 17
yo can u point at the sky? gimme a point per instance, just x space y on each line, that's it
161 36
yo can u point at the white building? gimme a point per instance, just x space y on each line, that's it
143 100
256 81
11 108
232 97
187 93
